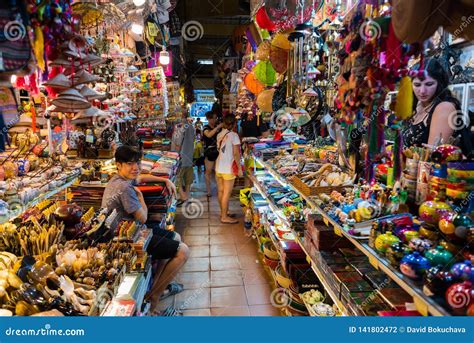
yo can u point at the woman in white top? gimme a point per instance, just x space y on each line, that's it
228 143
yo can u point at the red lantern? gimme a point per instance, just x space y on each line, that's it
263 21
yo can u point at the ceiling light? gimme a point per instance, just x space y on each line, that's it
164 57
205 61
139 3
137 28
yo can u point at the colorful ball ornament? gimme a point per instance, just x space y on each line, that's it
264 100
265 73
263 21
252 84
446 223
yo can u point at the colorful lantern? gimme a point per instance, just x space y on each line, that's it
263 21
264 100
263 51
252 84
279 59
265 73
281 41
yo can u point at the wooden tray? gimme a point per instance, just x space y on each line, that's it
310 191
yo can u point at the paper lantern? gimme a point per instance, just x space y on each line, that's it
279 59
253 85
263 51
281 41
265 73
263 21
264 100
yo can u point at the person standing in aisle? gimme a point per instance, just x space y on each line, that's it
211 130
186 152
228 166
198 124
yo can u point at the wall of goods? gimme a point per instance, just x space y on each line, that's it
348 219
75 89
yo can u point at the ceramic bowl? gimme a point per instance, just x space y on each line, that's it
282 278
269 251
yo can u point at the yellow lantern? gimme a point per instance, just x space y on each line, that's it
264 100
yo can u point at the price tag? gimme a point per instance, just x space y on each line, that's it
337 231
374 262
421 306
308 259
326 221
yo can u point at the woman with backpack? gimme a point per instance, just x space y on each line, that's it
209 137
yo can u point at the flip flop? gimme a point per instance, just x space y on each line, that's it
180 203
232 222
172 289
170 311
232 215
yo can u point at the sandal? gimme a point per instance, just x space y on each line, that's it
232 215
230 222
169 312
172 289
180 203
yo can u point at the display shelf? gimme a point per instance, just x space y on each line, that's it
36 201
424 304
332 293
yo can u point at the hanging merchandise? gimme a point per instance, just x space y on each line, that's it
263 21
263 51
264 100
265 73
253 84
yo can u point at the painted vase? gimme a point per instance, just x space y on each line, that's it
383 241
437 281
460 296
407 234
463 270
439 256
414 265
431 211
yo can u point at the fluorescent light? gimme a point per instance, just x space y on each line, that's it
139 3
205 61
137 28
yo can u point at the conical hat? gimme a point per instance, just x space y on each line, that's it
93 60
60 81
71 100
54 108
83 76
90 94
87 113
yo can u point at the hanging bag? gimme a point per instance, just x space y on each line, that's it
15 47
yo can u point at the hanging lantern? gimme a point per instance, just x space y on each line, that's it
253 85
263 21
281 41
263 51
265 73
279 59
264 100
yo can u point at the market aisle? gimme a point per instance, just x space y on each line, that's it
223 276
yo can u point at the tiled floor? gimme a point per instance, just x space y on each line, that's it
223 276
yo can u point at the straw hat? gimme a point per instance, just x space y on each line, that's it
54 108
71 100
60 81
93 60
91 94
416 21
87 113
83 76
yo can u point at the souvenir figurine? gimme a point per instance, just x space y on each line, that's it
414 265
437 281
439 256
396 252
383 241
420 244
463 270
460 296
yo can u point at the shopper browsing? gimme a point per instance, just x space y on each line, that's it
211 130
121 194
186 152
228 166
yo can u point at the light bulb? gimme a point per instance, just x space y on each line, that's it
137 28
13 79
164 57
139 3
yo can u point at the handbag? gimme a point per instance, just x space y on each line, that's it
211 153
15 47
